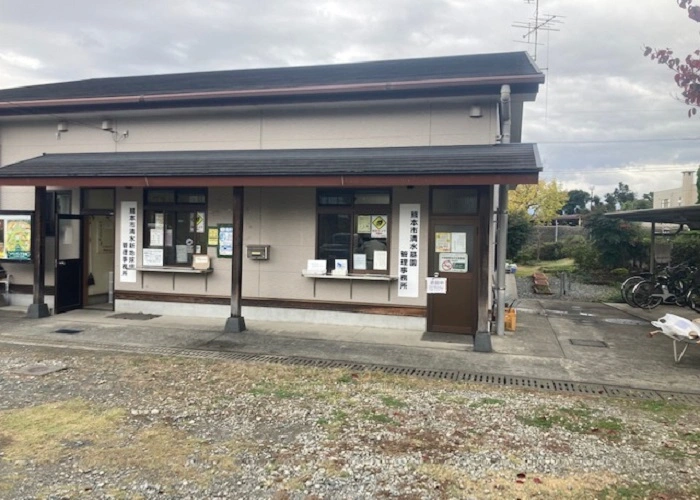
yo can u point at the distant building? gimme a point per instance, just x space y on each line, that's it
683 196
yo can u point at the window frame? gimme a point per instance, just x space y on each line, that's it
173 208
52 209
354 210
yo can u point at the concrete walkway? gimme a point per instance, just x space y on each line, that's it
541 347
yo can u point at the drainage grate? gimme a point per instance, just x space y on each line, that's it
588 343
68 331
556 386
675 397
135 316
563 386
625 392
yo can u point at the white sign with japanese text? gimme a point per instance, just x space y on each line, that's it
127 249
409 245
436 285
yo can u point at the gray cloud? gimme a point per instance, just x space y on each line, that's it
599 86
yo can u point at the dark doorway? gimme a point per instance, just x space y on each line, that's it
69 263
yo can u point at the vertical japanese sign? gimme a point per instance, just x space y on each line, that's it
409 244
127 254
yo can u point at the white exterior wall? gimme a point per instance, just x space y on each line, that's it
683 196
376 125
284 218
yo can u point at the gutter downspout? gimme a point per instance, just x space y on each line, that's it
482 340
502 220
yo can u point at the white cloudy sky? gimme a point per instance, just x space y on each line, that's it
606 114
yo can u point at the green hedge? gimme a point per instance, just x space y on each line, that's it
686 248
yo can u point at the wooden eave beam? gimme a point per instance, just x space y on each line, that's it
275 181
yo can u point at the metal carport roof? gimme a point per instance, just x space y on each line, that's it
689 215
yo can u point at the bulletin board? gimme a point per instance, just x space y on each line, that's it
225 247
16 236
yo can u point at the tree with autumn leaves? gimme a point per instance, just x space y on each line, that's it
612 243
532 203
542 201
687 70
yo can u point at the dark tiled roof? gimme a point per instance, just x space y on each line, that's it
479 66
428 160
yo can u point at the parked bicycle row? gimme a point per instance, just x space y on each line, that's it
676 285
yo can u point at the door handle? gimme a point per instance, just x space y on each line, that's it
61 262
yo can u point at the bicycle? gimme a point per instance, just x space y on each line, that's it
692 299
669 287
627 286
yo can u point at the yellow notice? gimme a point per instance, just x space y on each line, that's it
213 236
443 242
364 224
380 223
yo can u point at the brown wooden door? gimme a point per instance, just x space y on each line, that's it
453 255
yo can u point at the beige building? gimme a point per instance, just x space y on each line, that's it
683 196
332 194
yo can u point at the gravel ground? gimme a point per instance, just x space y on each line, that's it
128 426
574 290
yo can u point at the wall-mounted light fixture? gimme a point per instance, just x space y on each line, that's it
111 127
475 111
61 128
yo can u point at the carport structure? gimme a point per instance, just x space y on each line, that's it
684 216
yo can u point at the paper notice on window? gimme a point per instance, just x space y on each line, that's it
181 254
380 258
364 224
459 242
160 217
200 222
168 237
152 257
443 242
359 261
156 238
380 223
66 235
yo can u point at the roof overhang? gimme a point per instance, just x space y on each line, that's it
432 77
411 166
689 215
525 88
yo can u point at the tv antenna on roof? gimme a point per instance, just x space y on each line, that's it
540 22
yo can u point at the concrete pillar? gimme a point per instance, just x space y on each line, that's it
236 323
38 308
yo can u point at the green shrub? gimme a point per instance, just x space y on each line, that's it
686 248
519 229
619 273
551 251
586 256
527 255
570 243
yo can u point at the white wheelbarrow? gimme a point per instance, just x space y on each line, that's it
680 330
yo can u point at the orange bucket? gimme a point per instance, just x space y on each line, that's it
510 319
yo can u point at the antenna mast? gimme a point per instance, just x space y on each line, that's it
540 22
